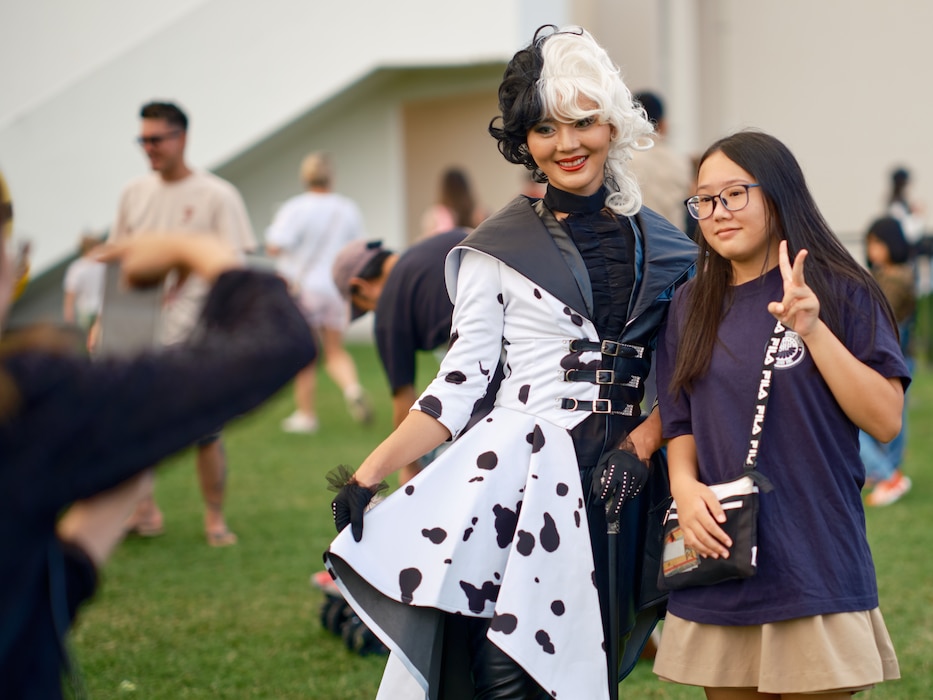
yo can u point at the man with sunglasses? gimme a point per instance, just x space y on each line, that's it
174 197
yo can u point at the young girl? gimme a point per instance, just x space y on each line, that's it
488 573
808 621
888 256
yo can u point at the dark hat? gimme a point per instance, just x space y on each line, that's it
350 262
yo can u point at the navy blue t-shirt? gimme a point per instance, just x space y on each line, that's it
813 554
414 309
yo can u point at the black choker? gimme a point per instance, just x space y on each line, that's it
568 203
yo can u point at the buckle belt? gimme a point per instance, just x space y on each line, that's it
599 376
598 406
609 348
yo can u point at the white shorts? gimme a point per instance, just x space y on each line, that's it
324 310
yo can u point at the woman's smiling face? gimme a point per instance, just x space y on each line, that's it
572 155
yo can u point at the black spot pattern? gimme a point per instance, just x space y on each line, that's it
523 393
477 478
454 337
435 534
467 533
558 607
549 537
537 293
483 370
506 522
477 597
537 440
544 639
409 490
408 581
432 406
575 318
499 298
562 489
448 561
576 518
504 623
487 460
474 520
455 377
525 543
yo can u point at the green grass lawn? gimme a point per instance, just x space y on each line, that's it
177 619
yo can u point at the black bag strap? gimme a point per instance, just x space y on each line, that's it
761 406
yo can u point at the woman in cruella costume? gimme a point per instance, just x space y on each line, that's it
487 575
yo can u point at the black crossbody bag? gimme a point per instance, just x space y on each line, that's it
681 565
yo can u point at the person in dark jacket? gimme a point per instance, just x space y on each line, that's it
76 435
492 573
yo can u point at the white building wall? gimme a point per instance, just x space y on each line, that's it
842 82
241 68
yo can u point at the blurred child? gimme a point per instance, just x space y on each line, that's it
888 252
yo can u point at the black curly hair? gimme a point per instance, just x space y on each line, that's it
520 103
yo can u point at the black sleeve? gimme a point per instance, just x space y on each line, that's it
396 334
88 425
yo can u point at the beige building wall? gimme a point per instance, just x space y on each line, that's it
451 132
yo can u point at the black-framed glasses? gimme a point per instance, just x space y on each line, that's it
157 139
733 198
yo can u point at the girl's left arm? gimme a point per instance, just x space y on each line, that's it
849 379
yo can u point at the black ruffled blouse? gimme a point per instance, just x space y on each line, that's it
607 244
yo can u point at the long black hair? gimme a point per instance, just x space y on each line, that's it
792 215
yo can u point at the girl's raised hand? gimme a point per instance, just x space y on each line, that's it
799 309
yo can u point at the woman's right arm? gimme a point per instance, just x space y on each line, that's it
698 509
417 435
448 402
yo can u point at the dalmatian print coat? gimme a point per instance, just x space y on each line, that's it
496 526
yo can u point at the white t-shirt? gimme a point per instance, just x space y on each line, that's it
201 203
85 279
311 229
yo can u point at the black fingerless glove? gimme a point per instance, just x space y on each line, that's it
351 500
619 477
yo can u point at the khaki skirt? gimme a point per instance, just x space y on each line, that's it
820 654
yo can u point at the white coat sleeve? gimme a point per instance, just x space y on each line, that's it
475 347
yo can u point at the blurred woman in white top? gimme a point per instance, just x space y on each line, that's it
307 233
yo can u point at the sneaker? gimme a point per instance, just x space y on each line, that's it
889 491
360 409
299 422
323 581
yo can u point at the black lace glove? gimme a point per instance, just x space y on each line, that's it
619 477
351 500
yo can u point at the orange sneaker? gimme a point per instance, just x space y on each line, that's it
890 490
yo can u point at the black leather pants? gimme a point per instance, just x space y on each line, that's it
495 675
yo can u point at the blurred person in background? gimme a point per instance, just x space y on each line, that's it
904 208
456 206
665 176
84 285
78 435
888 254
176 197
305 236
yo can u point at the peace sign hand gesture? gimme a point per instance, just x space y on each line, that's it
799 310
